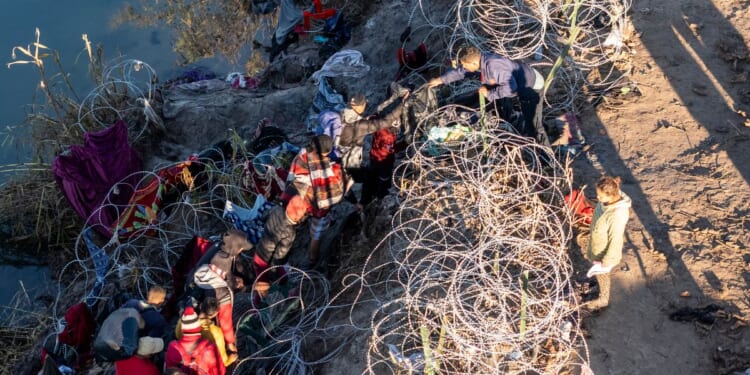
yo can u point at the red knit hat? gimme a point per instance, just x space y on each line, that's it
190 323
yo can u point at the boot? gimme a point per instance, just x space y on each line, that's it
603 300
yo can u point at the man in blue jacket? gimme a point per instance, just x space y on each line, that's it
502 80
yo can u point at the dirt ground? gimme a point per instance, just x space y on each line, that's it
681 150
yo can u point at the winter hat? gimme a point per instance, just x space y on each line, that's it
190 323
150 345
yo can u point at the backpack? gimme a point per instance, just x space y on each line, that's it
354 159
192 367
383 145
421 104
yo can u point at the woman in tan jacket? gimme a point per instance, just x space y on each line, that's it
607 235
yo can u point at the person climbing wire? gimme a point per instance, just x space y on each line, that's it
502 80
378 173
192 353
279 232
349 128
611 215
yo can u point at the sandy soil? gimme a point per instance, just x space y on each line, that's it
681 150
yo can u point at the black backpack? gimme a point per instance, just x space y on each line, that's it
420 104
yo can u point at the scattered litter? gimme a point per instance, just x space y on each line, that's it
566 329
414 362
345 63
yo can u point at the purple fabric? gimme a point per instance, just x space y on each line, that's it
87 173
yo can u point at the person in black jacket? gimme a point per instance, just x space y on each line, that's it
354 132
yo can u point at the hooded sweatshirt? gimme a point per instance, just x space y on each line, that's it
503 76
608 231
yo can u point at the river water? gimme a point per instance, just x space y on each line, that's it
61 24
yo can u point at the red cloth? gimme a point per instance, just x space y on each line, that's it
204 359
582 209
413 59
143 208
78 334
383 146
224 317
136 365
79 327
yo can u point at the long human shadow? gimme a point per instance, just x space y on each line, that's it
697 72
698 58
655 233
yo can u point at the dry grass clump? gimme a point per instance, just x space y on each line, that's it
34 214
21 325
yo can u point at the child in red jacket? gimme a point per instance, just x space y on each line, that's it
192 353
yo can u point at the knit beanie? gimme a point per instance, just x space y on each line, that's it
190 323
